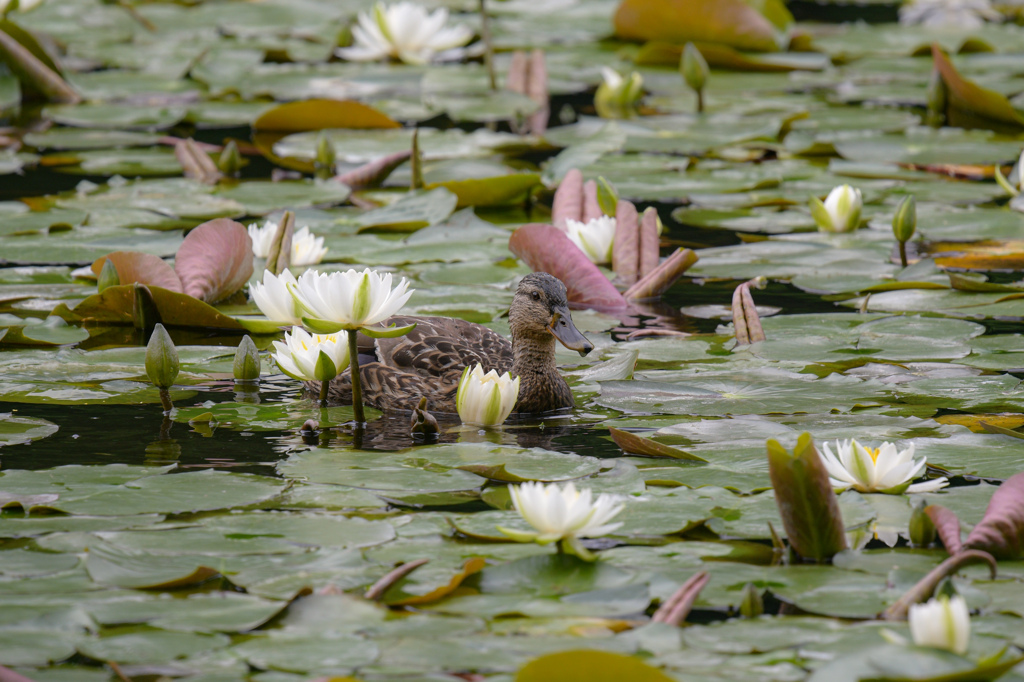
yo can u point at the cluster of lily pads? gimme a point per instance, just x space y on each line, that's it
688 158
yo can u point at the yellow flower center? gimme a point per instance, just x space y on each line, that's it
874 454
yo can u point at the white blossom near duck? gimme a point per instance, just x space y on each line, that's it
594 237
273 296
485 399
307 248
299 355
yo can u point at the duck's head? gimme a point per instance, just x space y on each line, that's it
540 307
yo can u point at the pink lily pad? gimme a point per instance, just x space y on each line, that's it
215 260
545 248
142 268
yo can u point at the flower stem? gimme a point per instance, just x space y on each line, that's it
165 400
700 101
324 387
903 253
485 34
357 385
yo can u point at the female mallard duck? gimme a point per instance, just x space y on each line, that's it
428 361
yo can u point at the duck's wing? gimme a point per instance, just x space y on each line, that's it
427 362
441 347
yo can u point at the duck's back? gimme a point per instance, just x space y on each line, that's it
428 362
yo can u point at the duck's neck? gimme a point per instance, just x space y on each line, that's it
541 387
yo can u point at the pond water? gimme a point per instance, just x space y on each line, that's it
226 540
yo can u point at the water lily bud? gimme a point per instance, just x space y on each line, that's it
325 155
108 276
617 97
904 221
937 97
807 504
942 623
752 605
922 530
485 399
693 67
247 361
840 212
230 160
161 358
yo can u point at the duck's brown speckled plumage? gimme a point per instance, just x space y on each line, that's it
428 361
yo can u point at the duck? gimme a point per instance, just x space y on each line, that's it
428 361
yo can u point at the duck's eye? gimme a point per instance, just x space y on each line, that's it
536 295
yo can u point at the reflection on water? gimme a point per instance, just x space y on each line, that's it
141 435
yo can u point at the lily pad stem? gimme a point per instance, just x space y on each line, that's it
357 385
903 253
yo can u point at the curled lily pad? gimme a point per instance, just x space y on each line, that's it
143 268
215 260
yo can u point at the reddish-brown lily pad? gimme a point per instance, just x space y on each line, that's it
545 248
215 260
142 268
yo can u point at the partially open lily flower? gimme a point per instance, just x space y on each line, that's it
942 623
485 399
876 470
350 299
405 31
562 512
311 357
307 248
594 237
840 211
617 96
961 14
274 297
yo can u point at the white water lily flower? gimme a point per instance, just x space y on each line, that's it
594 237
617 96
307 248
485 399
562 513
298 354
351 299
1012 183
941 623
841 210
274 297
876 470
405 31
964 14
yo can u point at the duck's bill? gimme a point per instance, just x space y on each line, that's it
566 332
